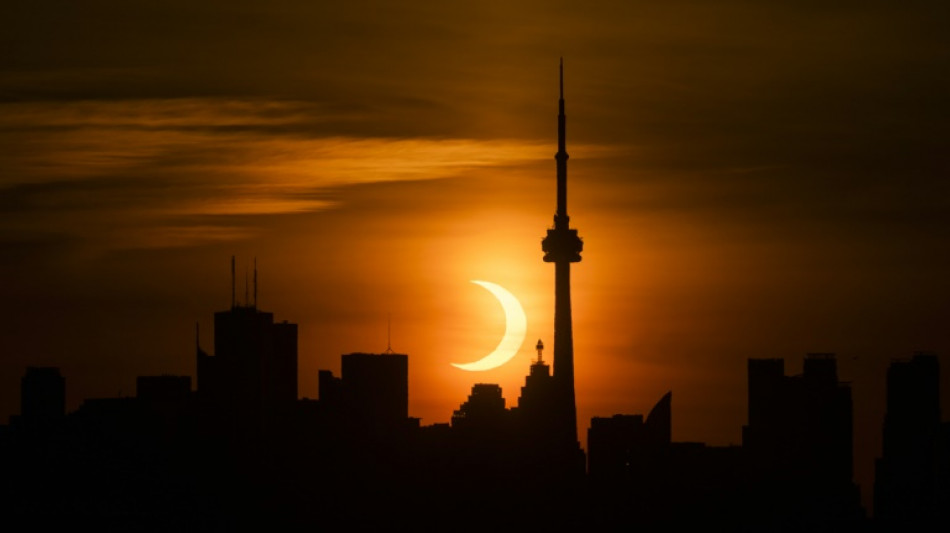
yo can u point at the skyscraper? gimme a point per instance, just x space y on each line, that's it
376 388
799 442
562 247
253 372
906 481
42 397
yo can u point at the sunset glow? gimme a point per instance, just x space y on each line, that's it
750 180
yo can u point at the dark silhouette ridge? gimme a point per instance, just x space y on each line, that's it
242 451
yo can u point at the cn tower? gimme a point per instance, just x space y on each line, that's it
562 247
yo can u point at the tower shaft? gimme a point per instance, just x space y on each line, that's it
564 350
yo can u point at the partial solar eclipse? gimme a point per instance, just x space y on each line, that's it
516 326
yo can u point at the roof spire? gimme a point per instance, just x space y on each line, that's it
389 334
233 300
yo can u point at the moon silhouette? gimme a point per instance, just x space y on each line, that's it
516 326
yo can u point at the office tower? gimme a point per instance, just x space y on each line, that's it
799 440
42 397
906 477
253 372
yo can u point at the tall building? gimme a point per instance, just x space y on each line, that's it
484 409
42 397
622 446
376 388
799 440
537 395
253 372
562 247
371 396
906 480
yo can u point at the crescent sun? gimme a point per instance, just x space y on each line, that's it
516 326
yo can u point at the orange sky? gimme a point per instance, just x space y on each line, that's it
750 181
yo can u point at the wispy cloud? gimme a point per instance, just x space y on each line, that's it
162 165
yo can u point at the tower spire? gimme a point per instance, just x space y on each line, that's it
561 219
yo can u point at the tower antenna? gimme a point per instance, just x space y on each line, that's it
562 77
233 297
389 333
245 285
255 282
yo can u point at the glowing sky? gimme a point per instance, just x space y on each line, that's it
751 179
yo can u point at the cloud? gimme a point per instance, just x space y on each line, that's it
167 168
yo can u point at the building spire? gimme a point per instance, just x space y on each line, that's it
389 334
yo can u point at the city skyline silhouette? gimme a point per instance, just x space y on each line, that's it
754 183
242 449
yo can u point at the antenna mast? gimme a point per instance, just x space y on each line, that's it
233 297
255 282
389 333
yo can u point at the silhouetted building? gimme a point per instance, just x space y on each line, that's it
562 247
640 479
368 405
163 389
621 446
907 482
376 387
330 389
252 375
165 398
42 398
799 441
484 409
536 420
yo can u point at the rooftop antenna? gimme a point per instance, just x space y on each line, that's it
389 333
233 297
540 348
245 285
255 282
197 335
